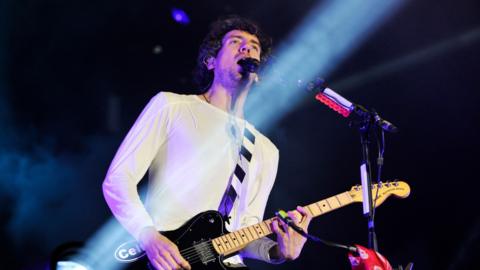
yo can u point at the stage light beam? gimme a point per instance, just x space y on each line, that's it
327 36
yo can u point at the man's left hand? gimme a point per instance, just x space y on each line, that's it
290 243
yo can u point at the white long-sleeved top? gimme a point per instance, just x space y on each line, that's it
190 149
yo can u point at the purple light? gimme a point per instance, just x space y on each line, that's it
180 16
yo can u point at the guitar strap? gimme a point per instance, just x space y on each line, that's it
234 189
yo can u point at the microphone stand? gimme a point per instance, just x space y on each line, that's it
364 127
365 119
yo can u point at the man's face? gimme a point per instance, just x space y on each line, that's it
236 45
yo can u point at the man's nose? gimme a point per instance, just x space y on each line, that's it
245 48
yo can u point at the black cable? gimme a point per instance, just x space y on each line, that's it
282 215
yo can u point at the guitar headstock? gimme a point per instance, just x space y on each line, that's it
397 188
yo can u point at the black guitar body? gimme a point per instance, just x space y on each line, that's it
193 241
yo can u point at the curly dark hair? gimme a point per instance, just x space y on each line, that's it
212 43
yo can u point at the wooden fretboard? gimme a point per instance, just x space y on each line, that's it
234 241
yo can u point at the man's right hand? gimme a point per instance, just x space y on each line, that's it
162 253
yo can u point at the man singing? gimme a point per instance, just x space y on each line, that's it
202 155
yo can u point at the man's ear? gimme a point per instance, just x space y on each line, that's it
209 62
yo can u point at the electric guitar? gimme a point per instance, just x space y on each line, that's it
204 242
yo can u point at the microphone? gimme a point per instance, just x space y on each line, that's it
330 98
249 65
344 107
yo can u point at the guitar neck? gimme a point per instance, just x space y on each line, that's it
234 241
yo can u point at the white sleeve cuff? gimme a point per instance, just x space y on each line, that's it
260 249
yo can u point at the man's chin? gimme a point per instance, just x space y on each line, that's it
240 78
237 76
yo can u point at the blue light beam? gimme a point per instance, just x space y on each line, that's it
327 36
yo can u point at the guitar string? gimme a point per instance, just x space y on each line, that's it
203 253
196 252
207 247
199 252
191 250
201 249
206 252
200 258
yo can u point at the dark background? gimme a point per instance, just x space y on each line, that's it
74 75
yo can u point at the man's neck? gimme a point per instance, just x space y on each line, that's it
231 100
